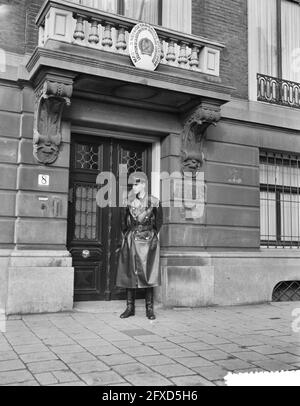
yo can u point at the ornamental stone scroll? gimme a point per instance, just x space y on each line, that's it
52 95
194 135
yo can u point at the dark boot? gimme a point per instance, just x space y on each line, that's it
130 309
149 304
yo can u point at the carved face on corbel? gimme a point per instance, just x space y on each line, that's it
193 137
47 137
46 153
191 161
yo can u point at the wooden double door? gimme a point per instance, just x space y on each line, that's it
94 234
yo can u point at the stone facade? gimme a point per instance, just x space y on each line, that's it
209 257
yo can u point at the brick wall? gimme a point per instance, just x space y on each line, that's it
12 25
226 21
18 32
31 29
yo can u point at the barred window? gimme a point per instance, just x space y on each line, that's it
279 199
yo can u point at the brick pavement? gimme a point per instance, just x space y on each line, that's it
93 346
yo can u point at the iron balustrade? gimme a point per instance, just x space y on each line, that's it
278 91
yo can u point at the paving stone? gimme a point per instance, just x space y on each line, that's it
293 350
130 369
192 362
8 355
247 342
27 349
88 366
140 350
273 365
75 383
38 356
177 352
65 376
104 350
149 339
70 357
116 359
17 377
92 342
150 360
149 379
219 383
85 335
56 341
63 349
213 340
267 349
102 378
285 357
171 370
46 366
26 383
11 365
211 373
249 355
213 355
232 364
163 344
124 344
181 339
248 370
5 348
191 380
46 378
230 348
197 346
24 341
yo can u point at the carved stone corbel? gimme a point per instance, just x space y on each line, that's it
52 95
194 134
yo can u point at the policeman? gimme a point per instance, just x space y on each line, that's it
139 256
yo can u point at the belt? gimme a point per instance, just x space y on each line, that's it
142 228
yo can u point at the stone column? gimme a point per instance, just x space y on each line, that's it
40 271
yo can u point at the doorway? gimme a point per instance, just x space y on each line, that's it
94 234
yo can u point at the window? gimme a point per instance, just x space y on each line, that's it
173 14
279 199
274 40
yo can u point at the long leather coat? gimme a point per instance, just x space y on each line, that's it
139 256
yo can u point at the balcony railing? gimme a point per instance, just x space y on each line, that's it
278 91
76 24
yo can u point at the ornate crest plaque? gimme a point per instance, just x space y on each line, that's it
144 47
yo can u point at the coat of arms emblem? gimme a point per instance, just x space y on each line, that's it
144 47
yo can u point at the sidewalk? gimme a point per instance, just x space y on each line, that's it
93 346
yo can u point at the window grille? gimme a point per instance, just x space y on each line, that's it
279 199
287 291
